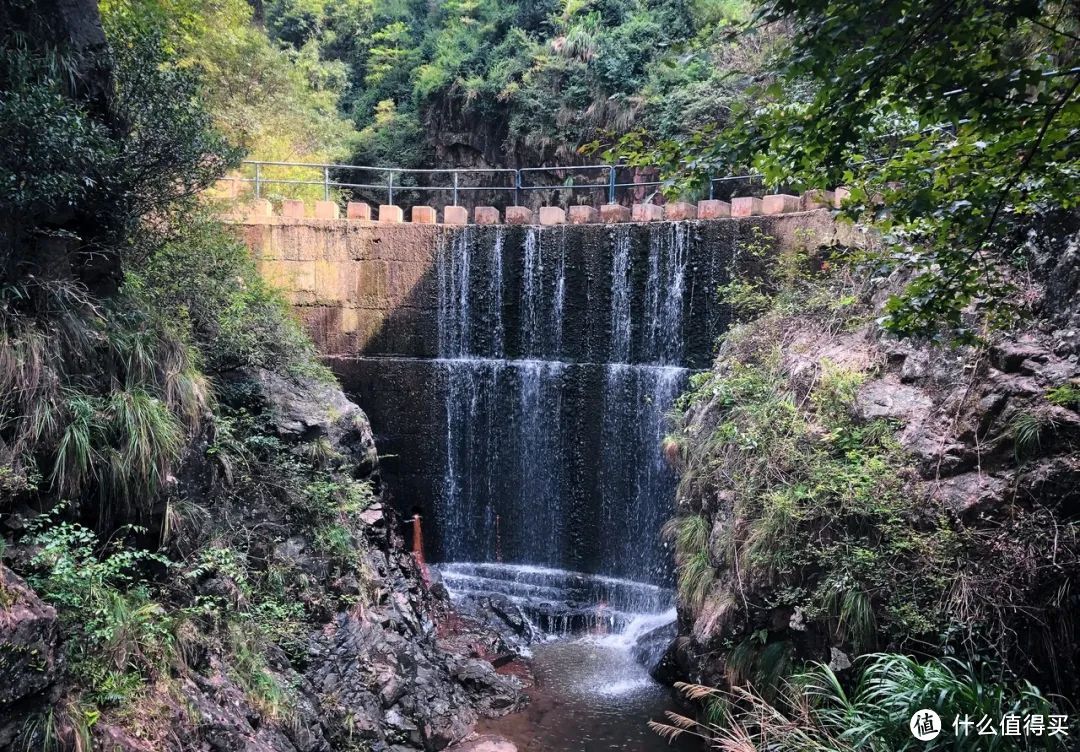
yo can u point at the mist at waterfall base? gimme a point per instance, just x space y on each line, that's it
555 488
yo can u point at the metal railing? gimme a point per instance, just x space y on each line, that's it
519 176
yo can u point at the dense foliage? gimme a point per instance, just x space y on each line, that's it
818 518
519 82
953 123
125 314
276 102
805 529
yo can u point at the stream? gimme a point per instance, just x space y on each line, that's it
591 638
591 695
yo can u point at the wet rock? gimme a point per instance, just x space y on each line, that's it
29 656
497 612
512 616
401 689
497 694
652 647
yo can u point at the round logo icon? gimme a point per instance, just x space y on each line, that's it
925 725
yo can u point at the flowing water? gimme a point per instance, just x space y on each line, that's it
554 486
591 695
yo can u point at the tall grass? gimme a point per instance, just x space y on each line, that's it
126 441
100 397
816 713
695 571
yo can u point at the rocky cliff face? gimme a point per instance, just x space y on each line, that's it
371 675
845 491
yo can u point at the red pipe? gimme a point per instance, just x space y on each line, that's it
418 549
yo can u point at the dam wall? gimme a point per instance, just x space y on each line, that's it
517 376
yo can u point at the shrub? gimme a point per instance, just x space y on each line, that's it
205 278
118 634
815 515
694 570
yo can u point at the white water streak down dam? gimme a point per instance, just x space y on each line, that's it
507 490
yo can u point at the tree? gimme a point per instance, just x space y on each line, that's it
954 122
96 137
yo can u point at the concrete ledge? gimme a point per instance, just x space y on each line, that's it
745 206
358 210
647 213
388 213
676 211
423 215
713 209
326 210
779 203
486 215
519 215
292 207
552 215
583 215
816 198
455 215
679 211
260 207
614 213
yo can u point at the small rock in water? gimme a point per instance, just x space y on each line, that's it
485 743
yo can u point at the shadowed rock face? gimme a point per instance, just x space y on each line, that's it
30 656
517 377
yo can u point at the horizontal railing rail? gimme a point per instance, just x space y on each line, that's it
518 183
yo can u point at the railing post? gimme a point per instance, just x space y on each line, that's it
517 187
454 201
711 187
258 180
611 184
326 183
390 188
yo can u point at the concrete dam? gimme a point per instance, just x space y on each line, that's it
518 376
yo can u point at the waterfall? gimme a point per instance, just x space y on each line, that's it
664 293
540 448
534 269
620 295
559 298
495 291
560 349
453 264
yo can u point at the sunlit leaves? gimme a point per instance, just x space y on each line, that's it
955 124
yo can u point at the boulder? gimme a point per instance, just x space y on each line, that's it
652 647
303 409
30 659
970 492
885 398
